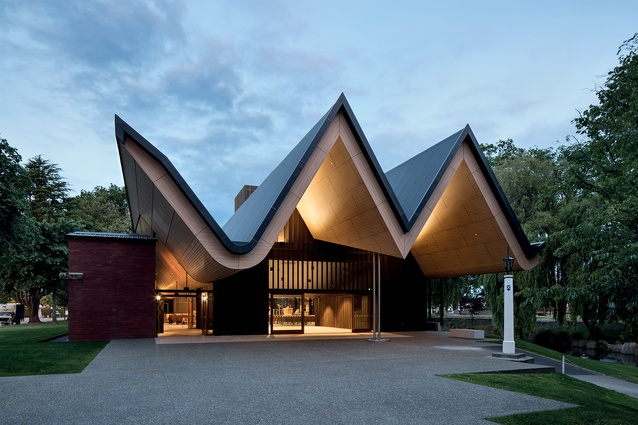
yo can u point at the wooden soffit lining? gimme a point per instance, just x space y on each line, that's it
466 231
343 203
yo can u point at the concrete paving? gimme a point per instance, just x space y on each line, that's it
273 381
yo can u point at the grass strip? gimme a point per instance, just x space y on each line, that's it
596 405
615 370
23 353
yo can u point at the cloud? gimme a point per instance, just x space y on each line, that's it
102 33
208 84
226 89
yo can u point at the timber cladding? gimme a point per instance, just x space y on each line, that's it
116 298
334 310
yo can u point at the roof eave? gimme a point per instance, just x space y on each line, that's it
530 249
122 130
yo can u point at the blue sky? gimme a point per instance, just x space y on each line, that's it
226 88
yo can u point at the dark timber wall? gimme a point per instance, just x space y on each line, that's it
403 295
241 303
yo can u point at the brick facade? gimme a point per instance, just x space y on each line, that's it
116 298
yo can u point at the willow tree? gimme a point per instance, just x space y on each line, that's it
531 180
605 171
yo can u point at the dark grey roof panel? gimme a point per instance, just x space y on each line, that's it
244 225
414 180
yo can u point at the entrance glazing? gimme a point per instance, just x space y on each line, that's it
319 312
184 312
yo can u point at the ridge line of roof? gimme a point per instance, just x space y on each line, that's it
446 149
341 105
233 227
372 161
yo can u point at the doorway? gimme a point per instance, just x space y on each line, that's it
286 314
184 313
319 313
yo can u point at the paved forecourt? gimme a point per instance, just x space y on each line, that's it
273 381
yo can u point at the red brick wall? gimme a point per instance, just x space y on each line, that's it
116 299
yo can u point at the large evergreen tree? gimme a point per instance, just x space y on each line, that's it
35 216
16 227
49 191
45 256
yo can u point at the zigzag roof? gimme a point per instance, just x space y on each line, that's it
334 180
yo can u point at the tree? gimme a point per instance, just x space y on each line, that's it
473 299
14 186
581 200
524 312
35 216
49 191
531 180
46 254
447 292
101 210
16 227
501 151
604 169
46 258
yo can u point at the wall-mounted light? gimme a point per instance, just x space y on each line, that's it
71 276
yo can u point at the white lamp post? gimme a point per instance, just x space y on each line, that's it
509 346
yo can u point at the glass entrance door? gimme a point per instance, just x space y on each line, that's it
286 314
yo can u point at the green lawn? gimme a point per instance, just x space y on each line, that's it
22 351
596 406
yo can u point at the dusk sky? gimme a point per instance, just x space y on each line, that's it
226 88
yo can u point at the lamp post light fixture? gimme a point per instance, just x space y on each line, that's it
509 346
508 264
